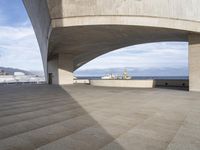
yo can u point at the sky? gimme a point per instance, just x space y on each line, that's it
144 56
19 48
18 44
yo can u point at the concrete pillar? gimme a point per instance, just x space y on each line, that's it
52 71
60 69
194 62
65 69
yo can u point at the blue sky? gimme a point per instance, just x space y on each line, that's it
145 56
19 48
18 44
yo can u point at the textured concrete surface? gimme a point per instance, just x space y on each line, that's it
194 63
101 26
83 117
124 83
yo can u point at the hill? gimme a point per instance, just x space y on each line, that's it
11 71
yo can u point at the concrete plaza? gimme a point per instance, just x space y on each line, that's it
83 117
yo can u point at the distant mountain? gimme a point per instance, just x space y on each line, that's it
134 72
39 73
116 71
11 71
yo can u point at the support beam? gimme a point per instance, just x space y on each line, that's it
194 62
60 69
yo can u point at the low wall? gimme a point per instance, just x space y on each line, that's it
82 81
140 83
124 83
172 83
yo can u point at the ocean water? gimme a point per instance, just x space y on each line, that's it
142 77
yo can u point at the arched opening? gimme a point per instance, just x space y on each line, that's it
166 62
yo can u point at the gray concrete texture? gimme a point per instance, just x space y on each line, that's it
71 33
89 28
83 117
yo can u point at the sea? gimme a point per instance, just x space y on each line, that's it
141 77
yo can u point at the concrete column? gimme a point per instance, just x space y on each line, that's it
60 69
52 70
65 69
194 62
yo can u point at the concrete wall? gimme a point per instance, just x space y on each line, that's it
61 67
172 83
194 62
124 83
82 81
161 13
177 9
140 83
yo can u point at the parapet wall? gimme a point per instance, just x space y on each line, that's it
172 83
140 83
124 83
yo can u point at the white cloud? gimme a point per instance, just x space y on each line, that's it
144 56
19 48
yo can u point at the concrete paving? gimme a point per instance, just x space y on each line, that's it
83 117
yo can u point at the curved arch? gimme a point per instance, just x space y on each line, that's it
104 52
88 42
100 26
131 20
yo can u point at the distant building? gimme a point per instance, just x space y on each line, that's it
2 72
19 73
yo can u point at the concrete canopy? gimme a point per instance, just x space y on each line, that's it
85 29
87 42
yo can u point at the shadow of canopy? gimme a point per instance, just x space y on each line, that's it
47 117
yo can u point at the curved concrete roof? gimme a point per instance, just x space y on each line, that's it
87 42
88 28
